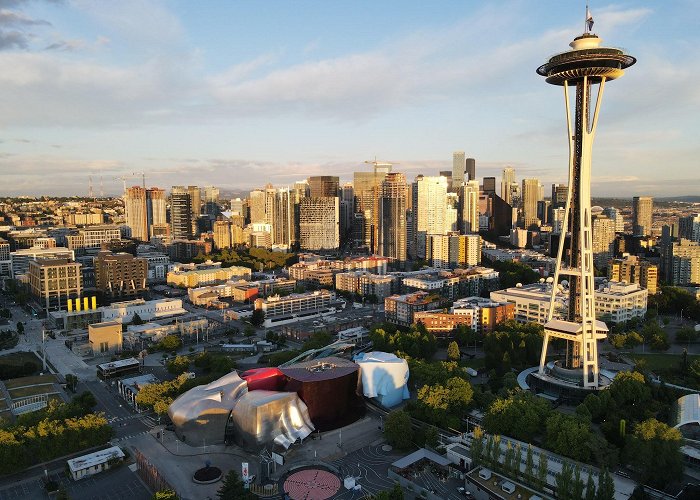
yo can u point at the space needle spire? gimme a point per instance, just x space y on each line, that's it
586 66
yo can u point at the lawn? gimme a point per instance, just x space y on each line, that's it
657 362
24 381
475 363
19 358
25 392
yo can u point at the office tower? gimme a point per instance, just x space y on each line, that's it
471 171
583 67
120 276
452 222
367 186
642 207
319 226
301 190
603 240
615 215
469 196
392 217
557 219
347 209
156 209
510 189
257 206
559 194
237 207
136 214
531 195
429 202
543 211
210 201
180 213
458 169
489 185
323 186
282 220
689 227
196 207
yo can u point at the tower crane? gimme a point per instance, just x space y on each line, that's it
143 178
380 164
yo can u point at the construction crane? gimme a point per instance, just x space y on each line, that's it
123 178
380 164
143 178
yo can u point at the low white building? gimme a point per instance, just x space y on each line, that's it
614 302
96 462
146 309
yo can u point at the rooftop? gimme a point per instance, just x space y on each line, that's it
96 458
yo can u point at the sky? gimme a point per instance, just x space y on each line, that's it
237 94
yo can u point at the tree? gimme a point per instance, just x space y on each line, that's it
564 482
654 452
542 468
258 318
170 343
249 330
398 429
606 486
395 493
20 327
529 466
62 494
477 448
577 487
590 487
178 365
136 320
568 436
233 488
453 353
432 436
521 416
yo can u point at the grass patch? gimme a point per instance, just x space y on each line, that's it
34 380
657 362
19 358
31 391
475 363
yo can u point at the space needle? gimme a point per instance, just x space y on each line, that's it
588 64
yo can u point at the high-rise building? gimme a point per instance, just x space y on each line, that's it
156 203
347 209
632 269
614 214
257 206
642 207
559 194
689 227
392 217
429 202
120 276
469 196
282 220
180 213
53 281
196 207
471 170
136 213
323 186
603 240
458 169
489 185
319 225
685 263
450 251
210 201
367 186
222 234
510 189
237 207
531 195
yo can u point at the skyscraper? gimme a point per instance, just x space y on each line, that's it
458 169
603 240
469 196
257 206
614 214
347 209
642 207
283 227
319 227
531 195
471 170
323 186
367 186
689 227
489 185
156 209
429 203
180 213
392 217
195 208
136 215
510 190
559 194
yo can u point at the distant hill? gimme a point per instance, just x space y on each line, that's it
684 199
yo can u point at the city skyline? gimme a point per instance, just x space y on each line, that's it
228 95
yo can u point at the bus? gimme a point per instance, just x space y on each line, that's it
118 368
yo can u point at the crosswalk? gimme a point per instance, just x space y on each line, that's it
149 420
126 438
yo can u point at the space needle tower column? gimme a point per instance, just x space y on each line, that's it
588 64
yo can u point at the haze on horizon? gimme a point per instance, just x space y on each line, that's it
238 94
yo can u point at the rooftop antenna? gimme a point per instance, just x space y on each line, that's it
90 193
102 187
